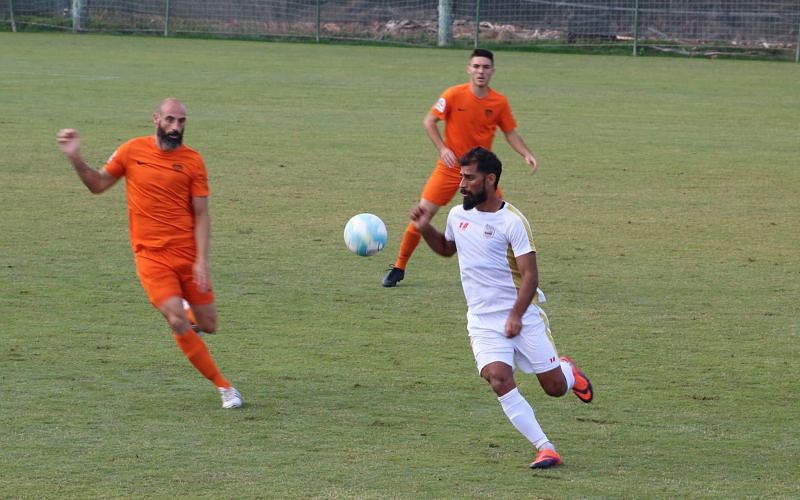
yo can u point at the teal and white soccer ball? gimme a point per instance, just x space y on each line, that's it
365 234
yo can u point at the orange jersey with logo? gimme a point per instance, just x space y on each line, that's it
471 121
160 186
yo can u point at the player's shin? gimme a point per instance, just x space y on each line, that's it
198 355
521 415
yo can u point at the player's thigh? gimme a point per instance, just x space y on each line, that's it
158 278
442 185
182 260
534 346
489 343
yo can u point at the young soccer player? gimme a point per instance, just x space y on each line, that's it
471 113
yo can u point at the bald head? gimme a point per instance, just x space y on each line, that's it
170 121
170 104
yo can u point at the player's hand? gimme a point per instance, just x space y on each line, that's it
513 325
420 216
448 157
531 161
200 272
68 141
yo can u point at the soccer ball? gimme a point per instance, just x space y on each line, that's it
365 234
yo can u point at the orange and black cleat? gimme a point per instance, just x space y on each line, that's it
546 459
582 387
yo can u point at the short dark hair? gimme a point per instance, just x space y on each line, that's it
483 53
486 161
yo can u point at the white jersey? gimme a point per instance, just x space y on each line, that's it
487 244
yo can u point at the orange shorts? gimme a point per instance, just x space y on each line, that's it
167 272
443 184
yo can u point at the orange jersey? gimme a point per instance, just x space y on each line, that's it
160 186
471 121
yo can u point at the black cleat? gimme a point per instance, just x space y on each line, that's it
394 275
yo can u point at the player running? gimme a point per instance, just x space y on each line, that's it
497 260
471 113
170 228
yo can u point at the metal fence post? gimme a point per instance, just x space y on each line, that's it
477 23
166 18
635 27
11 11
445 34
77 7
318 29
797 46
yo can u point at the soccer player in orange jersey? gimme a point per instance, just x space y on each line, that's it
167 191
472 112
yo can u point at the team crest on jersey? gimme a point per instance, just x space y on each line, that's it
488 113
462 226
440 105
177 167
488 231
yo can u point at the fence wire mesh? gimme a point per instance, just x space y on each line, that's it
685 26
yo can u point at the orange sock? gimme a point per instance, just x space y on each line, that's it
197 353
410 241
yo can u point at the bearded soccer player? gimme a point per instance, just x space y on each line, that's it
167 191
471 113
497 260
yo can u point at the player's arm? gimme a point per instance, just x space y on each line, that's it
96 180
529 282
202 237
515 141
421 218
431 124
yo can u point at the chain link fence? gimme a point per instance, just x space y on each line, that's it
762 28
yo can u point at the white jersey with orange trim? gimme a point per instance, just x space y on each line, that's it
487 244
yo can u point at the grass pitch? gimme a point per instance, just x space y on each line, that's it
667 227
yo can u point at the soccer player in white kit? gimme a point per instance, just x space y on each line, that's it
497 260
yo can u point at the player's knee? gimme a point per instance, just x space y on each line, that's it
178 324
177 321
500 381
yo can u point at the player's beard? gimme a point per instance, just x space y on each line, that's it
472 200
169 141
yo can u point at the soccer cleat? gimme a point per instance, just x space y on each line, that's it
230 397
546 459
582 387
394 275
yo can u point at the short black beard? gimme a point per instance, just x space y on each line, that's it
472 201
168 143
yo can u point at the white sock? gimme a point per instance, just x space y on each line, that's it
520 412
566 368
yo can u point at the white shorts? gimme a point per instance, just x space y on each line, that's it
532 351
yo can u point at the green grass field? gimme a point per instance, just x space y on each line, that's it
666 210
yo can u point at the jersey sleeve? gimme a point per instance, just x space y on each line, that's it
507 121
200 179
115 165
449 235
441 108
520 236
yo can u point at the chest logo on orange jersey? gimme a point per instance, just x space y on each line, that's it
488 113
177 167
488 231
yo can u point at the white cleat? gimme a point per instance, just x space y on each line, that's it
230 397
